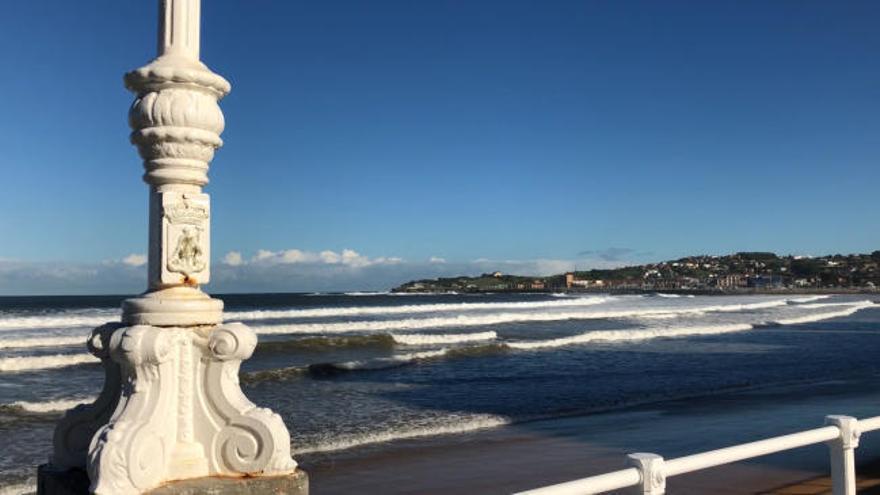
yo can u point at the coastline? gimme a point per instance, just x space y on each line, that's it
683 292
527 455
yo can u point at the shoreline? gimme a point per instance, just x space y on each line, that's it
504 459
687 292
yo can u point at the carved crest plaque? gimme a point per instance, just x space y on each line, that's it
185 238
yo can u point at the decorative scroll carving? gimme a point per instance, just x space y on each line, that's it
181 412
75 430
130 453
253 440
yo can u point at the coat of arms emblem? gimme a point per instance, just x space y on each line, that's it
185 233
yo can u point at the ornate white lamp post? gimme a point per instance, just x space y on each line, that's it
171 407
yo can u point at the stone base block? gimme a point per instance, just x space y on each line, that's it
75 482
296 483
53 481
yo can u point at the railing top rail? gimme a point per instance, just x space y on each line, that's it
594 484
750 450
631 477
869 424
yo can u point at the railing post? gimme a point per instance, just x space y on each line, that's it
653 473
843 463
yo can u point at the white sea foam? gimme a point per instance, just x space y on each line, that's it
745 307
466 320
409 309
52 405
78 319
449 426
668 316
863 302
27 363
824 316
628 335
808 299
58 320
42 342
390 362
652 333
451 338
20 488
674 296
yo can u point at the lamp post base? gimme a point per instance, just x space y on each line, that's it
177 306
51 481
171 409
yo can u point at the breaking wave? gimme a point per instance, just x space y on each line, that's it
408 309
19 489
455 338
77 320
390 341
52 406
62 320
864 302
451 425
42 342
498 318
274 375
28 363
382 341
807 299
381 363
651 333
824 316
604 336
627 335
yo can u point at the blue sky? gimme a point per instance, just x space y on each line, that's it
534 136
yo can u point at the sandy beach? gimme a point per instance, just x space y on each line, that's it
529 455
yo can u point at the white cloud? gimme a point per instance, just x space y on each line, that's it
233 258
269 271
330 257
393 260
135 260
52 277
263 254
295 256
539 267
347 258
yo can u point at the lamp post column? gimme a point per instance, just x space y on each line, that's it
176 124
171 407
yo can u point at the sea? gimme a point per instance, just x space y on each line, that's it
354 374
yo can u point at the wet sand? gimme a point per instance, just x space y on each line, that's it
533 454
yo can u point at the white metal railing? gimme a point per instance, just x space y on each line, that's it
650 471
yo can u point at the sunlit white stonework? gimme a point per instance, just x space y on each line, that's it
171 407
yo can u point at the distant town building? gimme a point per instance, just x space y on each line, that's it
733 281
766 282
